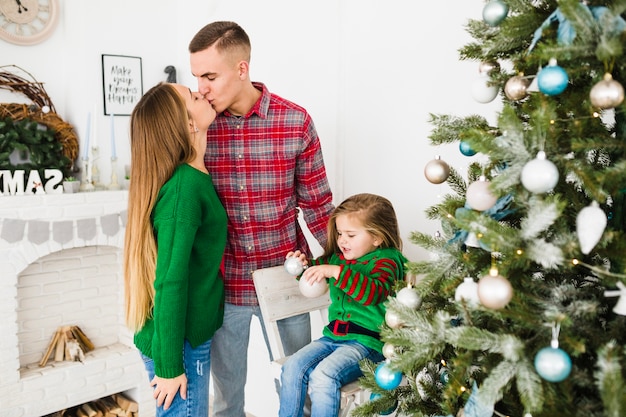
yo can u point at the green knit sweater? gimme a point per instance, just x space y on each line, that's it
190 228
359 293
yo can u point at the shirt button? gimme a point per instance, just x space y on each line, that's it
241 187
240 156
249 247
245 217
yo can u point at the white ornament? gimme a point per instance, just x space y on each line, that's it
313 290
468 291
620 306
481 91
590 224
540 175
494 291
393 320
389 350
409 297
294 266
479 196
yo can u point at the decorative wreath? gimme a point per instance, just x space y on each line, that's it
22 119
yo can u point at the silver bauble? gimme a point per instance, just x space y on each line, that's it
607 93
487 67
494 291
436 171
294 266
516 88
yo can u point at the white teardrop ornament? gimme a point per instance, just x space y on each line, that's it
590 224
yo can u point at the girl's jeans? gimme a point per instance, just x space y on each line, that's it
197 368
322 367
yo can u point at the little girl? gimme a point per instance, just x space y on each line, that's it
362 260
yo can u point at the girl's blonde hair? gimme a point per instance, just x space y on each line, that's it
377 216
159 141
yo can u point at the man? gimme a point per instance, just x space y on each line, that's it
266 163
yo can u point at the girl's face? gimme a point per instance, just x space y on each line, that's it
199 108
352 238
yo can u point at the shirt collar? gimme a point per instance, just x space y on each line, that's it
261 107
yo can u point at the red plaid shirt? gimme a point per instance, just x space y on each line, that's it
265 165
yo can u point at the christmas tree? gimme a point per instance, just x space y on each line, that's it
521 309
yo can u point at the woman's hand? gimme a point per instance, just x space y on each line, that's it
165 389
318 273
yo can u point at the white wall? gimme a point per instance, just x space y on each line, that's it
369 72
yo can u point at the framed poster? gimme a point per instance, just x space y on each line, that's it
122 83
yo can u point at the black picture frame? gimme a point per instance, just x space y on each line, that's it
122 83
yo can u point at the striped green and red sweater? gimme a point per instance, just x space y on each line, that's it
359 293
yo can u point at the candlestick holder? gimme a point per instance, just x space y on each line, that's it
114 184
85 183
95 172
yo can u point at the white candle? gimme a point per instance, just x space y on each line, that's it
94 130
113 156
87 132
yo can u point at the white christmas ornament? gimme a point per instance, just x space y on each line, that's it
620 306
540 175
294 266
312 290
409 297
590 224
479 196
468 291
393 320
494 291
481 91
389 350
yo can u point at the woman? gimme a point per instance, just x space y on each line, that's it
175 238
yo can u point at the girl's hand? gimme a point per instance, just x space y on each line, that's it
318 273
165 389
301 256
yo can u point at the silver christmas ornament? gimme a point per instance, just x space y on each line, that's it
516 88
389 350
294 266
607 93
437 171
590 224
487 67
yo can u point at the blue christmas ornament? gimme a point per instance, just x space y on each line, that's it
466 149
386 378
495 12
553 364
552 80
375 396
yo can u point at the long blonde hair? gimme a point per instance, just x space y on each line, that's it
159 142
377 216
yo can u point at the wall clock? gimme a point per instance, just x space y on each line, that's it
27 22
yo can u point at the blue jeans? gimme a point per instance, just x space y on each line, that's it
229 354
322 367
197 364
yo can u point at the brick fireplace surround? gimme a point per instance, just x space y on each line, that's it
45 284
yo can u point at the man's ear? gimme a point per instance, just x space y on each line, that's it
244 68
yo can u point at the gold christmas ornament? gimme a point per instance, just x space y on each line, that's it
516 88
437 171
487 67
607 93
